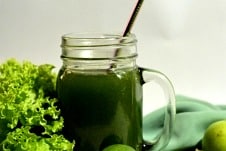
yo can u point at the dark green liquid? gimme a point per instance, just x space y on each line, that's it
101 108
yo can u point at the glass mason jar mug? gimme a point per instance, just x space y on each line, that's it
100 92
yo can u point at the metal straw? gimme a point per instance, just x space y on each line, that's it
129 25
133 17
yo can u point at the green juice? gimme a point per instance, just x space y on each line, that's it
101 107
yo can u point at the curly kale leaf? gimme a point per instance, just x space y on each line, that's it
28 99
23 140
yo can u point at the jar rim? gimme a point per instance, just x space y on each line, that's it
96 39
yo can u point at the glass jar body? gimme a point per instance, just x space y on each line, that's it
101 107
100 93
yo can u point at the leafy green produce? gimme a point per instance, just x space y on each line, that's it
29 116
31 142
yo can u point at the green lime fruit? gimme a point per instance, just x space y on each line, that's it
119 147
215 137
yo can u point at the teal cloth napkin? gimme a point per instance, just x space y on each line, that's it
192 118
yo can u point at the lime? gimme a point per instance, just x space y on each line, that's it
215 137
119 147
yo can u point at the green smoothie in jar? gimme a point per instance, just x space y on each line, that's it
99 88
101 108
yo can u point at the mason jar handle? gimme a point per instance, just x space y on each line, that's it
147 76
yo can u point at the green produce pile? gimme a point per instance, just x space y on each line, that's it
29 117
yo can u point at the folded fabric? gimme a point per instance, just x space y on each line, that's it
192 118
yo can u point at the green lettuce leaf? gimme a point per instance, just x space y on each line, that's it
28 106
23 140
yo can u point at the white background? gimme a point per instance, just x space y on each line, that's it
185 39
